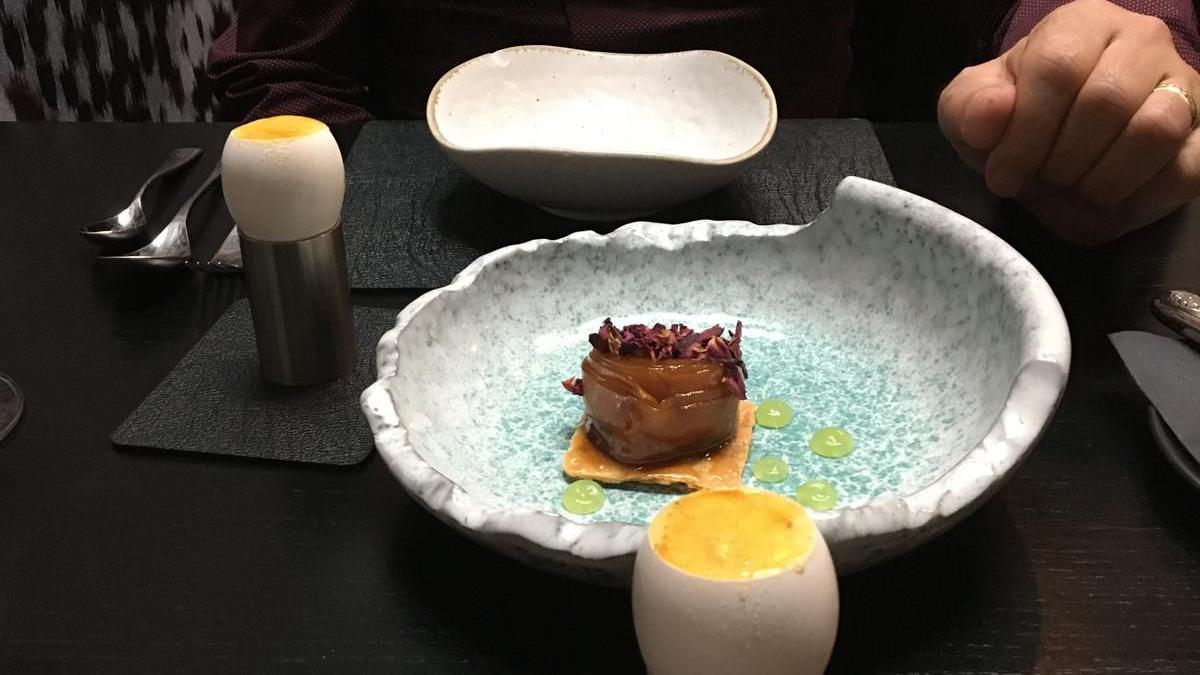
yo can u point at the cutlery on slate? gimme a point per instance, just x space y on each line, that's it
132 220
172 247
1168 373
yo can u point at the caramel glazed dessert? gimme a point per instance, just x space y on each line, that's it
656 394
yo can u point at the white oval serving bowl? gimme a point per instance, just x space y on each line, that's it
600 136
938 346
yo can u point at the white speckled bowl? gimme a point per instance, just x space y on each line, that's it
934 343
592 135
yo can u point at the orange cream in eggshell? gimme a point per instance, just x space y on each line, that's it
278 128
733 534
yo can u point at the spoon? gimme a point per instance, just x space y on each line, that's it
1179 310
172 247
132 220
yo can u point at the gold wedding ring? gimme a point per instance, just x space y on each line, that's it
1183 94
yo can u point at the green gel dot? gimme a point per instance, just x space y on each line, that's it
773 414
832 442
817 495
583 497
770 470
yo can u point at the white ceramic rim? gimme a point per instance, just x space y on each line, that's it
767 135
1032 400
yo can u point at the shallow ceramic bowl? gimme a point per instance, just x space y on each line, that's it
602 136
936 345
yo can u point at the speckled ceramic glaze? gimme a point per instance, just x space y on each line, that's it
937 346
594 135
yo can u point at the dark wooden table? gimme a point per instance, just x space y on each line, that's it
1088 561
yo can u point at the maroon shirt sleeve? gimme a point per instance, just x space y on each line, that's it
344 60
298 57
1179 15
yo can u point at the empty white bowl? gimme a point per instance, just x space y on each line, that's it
602 136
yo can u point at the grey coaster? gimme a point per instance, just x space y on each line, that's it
215 401
1167 371
414 220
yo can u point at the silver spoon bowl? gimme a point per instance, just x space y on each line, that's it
172 247
130 222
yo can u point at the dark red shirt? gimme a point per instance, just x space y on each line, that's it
351 60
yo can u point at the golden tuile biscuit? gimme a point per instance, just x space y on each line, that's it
720 468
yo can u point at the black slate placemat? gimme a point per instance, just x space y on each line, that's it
413 220
216 401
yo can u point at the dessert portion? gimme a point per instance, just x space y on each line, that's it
655 394
670 397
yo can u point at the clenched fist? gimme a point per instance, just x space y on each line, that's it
1089 121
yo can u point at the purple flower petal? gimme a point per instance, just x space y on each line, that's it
573 385
676 342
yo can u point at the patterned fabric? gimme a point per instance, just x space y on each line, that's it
352 59
131 60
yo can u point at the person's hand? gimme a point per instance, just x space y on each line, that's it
1069 121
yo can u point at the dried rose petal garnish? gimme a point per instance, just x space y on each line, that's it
676 342
573 385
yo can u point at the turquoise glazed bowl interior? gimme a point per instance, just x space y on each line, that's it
936 346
